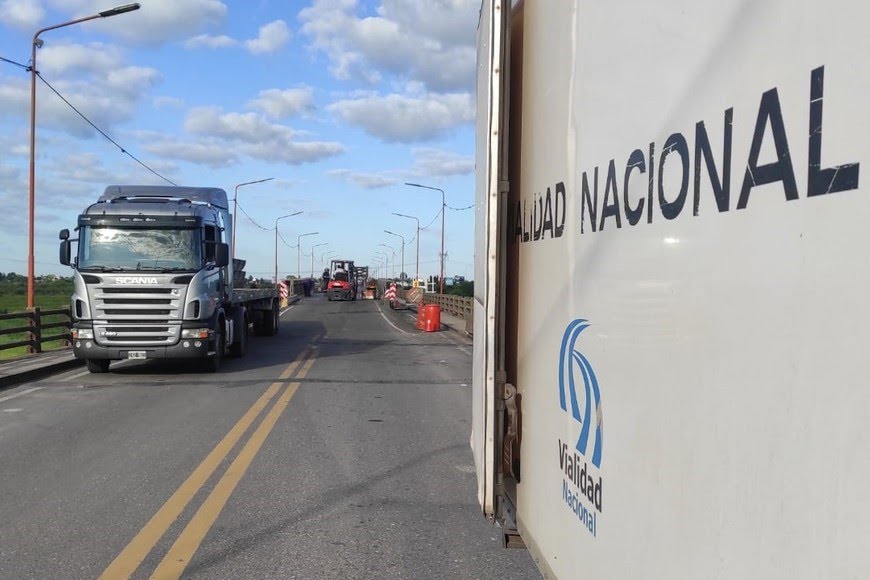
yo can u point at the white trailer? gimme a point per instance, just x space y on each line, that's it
671 309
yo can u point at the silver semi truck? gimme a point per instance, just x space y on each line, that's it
153 278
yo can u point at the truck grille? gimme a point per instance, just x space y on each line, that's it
136 315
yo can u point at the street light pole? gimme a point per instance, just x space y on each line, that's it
236 213
312 255
276 241
36 43
299 253
386 263
417 269
326 255
392 249
443 211
402 271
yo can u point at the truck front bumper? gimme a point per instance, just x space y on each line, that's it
85 348
89 349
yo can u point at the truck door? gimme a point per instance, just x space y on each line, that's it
490 209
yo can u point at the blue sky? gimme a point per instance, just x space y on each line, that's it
341 101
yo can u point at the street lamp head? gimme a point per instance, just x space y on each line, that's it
38 43
119 10
286 216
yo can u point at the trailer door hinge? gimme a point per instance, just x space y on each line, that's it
510 465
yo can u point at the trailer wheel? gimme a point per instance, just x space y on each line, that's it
240 347
97 365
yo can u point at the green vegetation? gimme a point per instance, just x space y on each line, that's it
50 293
461 289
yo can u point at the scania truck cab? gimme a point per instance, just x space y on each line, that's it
153 278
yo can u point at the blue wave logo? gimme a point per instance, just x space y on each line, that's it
571 364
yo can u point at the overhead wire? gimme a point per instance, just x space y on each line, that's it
433 219
101 132
460 208
24 66
241 209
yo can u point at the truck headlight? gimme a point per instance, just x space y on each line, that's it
85 333
194 332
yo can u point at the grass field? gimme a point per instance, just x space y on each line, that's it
12 303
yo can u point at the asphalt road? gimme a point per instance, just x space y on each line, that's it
337 449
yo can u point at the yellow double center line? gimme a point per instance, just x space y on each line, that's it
181 552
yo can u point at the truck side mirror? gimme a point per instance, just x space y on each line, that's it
65 251
64 234
221 255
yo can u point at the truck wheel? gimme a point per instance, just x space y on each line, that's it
240 347
259 323
98 365
213 364
277 314
270 320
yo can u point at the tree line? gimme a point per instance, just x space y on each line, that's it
12 283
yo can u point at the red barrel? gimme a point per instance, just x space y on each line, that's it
431 318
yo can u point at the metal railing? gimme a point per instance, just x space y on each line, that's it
461 306
36 323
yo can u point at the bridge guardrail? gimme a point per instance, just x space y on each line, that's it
35 326
461 306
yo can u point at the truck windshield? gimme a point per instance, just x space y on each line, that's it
112 248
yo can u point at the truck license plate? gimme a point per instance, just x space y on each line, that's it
135 354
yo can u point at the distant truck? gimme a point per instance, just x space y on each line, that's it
153 279
343 281
671 313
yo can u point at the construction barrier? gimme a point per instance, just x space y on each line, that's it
283 292
429 318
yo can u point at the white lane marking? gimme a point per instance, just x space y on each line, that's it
77 375
384 316
12 410
20 394
286 309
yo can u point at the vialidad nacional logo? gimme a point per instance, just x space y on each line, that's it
582 485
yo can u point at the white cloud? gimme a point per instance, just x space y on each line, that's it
280 104
24 14
106 97
93 77
404 118
156 22
247 127
9 174
209 41
58 58
437 162
209 153
366 180
432 41
164 101
272 37
253 135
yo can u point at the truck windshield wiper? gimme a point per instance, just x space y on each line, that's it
102 269
164 269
